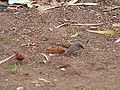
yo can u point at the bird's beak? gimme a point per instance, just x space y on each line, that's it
82 47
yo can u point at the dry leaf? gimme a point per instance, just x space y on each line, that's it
72 2
103 32
116 25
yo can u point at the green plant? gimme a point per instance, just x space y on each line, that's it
42 36
9 37
34 65
12 68
72 30
113 87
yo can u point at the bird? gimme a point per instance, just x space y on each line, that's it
67 48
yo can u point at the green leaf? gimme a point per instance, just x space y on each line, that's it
42 36
113 86
28 2
72 30
13 68
9 37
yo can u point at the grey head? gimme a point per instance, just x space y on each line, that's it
78 45
74 47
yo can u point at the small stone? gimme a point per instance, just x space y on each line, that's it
63 69
20 88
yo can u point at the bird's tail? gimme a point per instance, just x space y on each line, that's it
54 50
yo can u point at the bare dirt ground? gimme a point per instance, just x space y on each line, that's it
97 67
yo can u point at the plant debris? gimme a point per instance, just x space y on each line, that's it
104 32
116 25
76 34
46 57
12 69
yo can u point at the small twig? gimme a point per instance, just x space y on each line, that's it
93 24
62 25
45 56
75 35
7 58
42 79
78 24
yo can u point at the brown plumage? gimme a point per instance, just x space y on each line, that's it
54 50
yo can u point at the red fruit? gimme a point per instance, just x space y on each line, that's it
20 56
